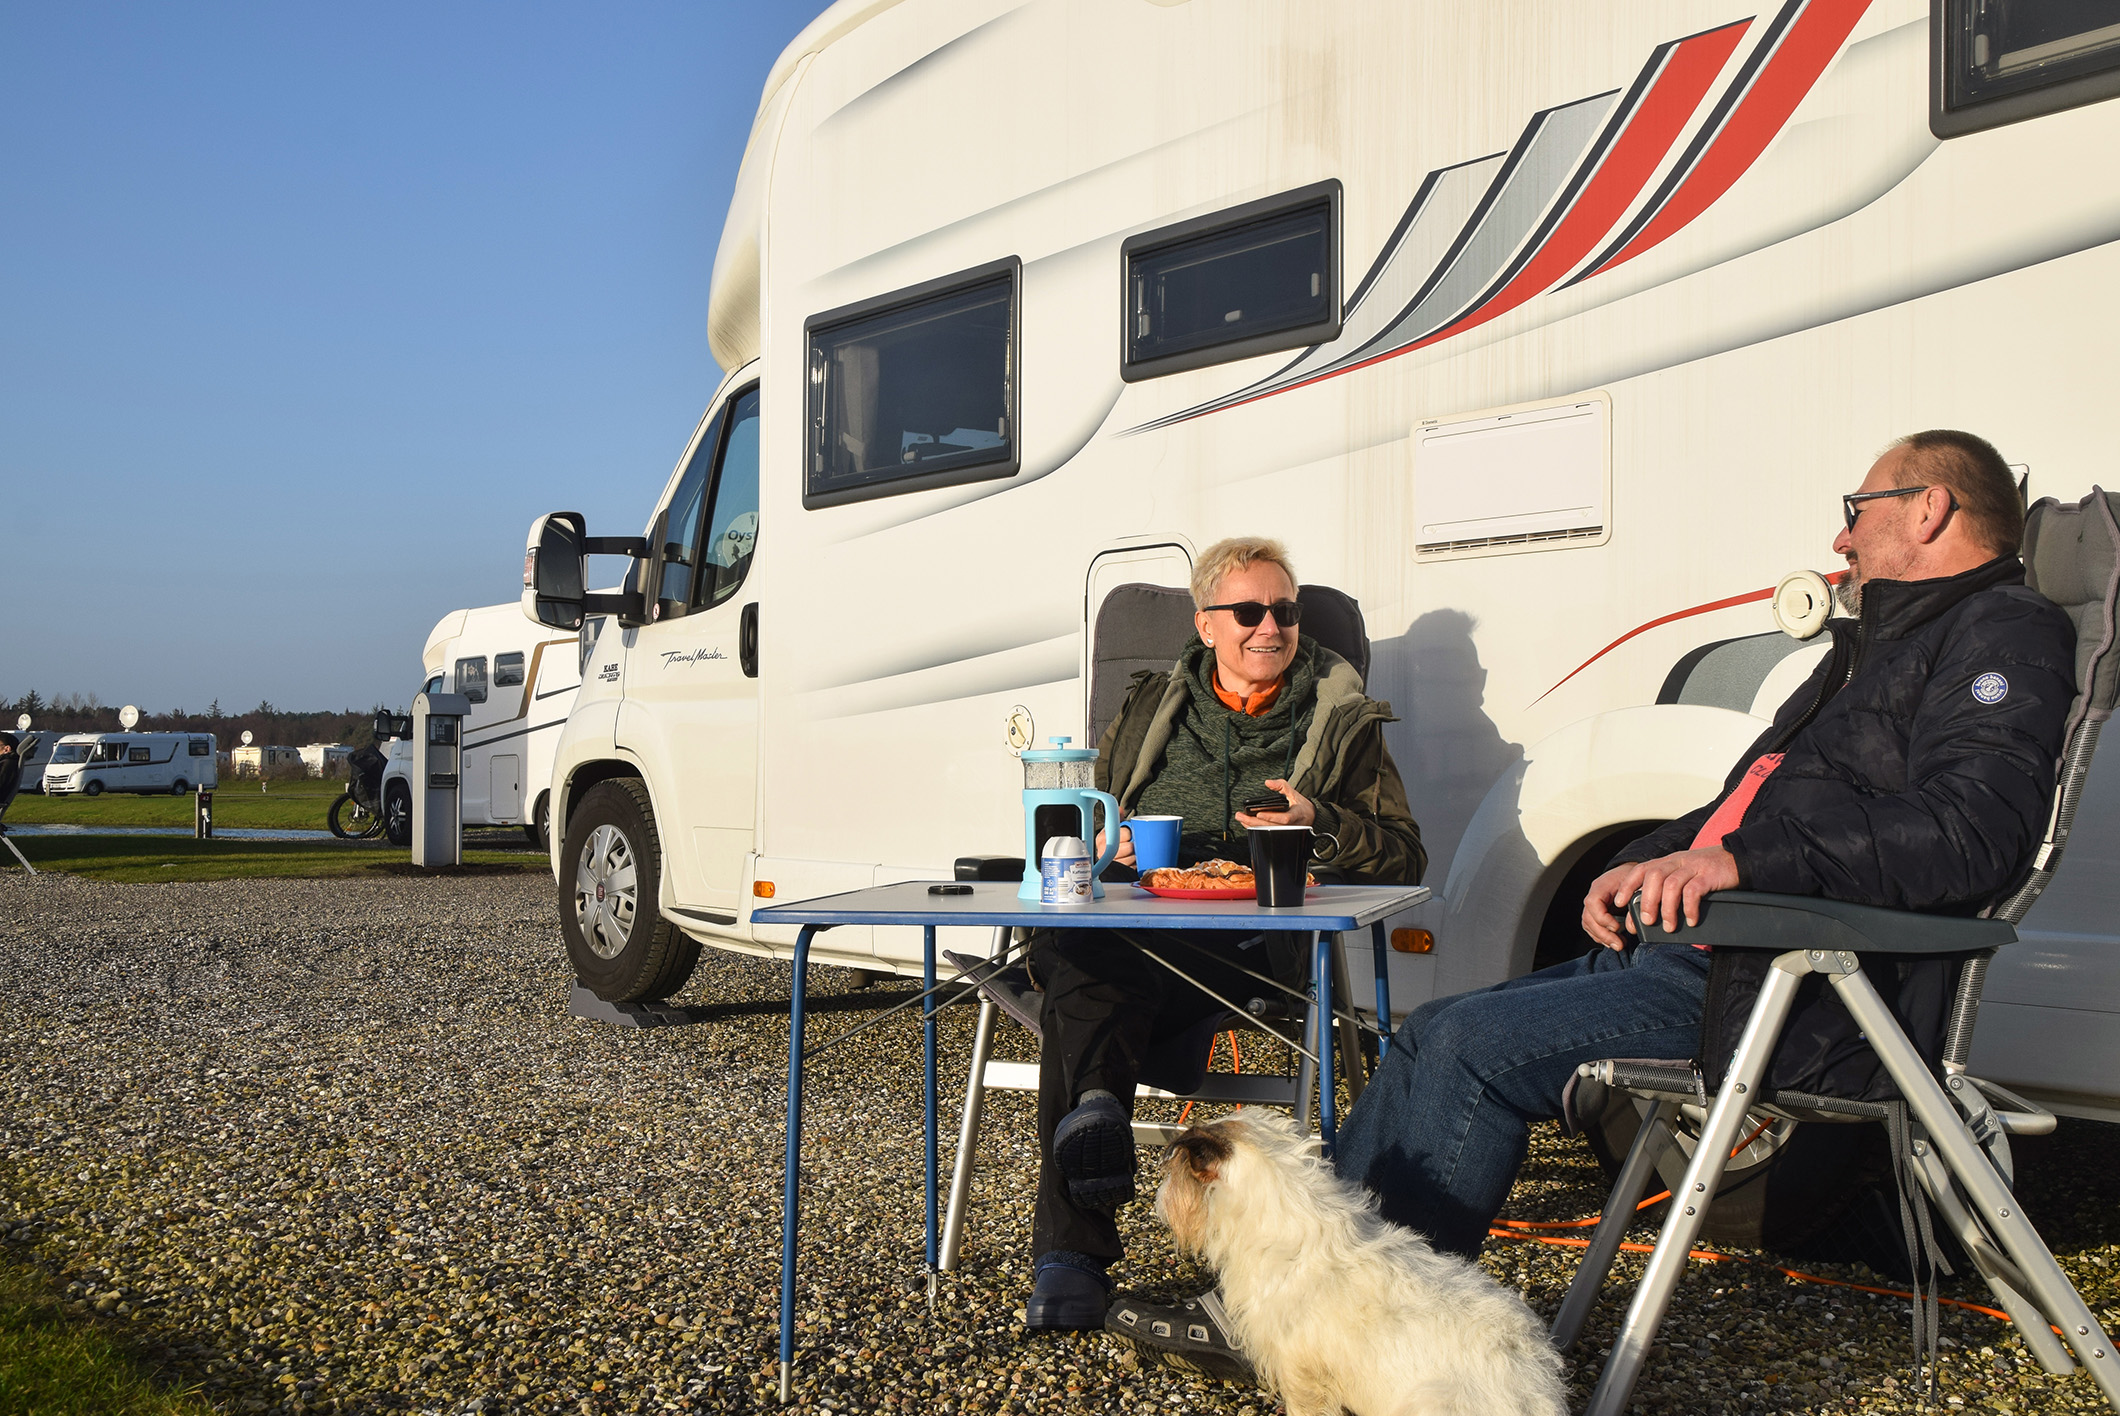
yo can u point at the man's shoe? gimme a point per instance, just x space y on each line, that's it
1194 1337
1065 1299
1094 1148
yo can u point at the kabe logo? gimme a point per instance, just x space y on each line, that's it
1991 688
608 673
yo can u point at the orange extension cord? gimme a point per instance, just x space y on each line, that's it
1516 1229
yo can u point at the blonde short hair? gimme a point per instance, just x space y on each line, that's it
1234 554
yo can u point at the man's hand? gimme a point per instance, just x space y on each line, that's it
1300 811
1126 847
1669 886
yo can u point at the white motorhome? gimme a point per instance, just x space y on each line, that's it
1552 335
521 682
90 764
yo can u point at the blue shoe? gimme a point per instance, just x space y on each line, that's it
1066 1299
1094 1148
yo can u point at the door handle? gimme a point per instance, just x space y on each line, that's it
747 640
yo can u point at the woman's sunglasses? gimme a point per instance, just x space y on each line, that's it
1286 613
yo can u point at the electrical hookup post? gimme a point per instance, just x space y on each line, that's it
437 795
202 814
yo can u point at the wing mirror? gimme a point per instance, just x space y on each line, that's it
392 725
554 579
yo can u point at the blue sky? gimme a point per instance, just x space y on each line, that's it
306 311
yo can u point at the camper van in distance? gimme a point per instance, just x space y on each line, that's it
1551 335
90 764
521 684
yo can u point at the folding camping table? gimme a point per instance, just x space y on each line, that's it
1327 912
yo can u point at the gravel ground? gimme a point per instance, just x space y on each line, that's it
336 1145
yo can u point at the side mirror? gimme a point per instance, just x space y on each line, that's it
392 725
553 575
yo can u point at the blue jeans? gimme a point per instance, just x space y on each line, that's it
1443 1126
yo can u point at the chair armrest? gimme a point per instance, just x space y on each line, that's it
1751 919
1003 868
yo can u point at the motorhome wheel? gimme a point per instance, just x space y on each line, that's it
179 787
94 788
538 830
621 947
397 814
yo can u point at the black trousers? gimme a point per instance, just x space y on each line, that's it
1107 1008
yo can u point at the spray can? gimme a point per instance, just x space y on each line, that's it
1063 872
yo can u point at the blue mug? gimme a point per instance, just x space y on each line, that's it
1155 841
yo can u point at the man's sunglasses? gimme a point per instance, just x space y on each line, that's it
1851 504
1286 613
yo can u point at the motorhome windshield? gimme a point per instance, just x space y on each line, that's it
70 752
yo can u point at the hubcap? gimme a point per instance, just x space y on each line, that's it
606 892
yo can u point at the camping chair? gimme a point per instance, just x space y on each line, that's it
1951 1131
10 783
1141 627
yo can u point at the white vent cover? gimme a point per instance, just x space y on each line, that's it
1521 479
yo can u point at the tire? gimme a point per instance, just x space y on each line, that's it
621 947
94 789
538 829
397 814
349 822
179 787
1787 1192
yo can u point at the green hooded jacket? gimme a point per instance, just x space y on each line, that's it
1367 834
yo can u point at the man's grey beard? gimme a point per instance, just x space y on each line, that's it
1848 593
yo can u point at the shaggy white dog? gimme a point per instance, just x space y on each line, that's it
1336 1307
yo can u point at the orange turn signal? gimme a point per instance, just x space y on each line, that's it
1413 941
763 889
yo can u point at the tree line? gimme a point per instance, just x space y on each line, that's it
83 713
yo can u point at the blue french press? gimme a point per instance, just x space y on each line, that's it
1060 799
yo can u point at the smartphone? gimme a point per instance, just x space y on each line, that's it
1265 801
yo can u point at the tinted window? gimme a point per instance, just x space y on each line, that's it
1259 278
433 685
507 670
2009 59
681 525
108 752
915 390
70 752
732 525
138 754
471 678
200 747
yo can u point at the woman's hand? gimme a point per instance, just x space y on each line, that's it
1300 811
1126 847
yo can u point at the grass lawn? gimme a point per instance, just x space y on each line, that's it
133 859
55 1365
284 806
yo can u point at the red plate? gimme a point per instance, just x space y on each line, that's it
1225 892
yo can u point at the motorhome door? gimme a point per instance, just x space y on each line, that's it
691 704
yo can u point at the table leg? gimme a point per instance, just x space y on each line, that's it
790 1201
927 1012
1321 974
1379 949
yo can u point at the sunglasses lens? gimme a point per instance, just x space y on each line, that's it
1249 613
1287 613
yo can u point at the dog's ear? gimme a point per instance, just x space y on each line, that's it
1202 1151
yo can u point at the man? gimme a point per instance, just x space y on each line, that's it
1914 770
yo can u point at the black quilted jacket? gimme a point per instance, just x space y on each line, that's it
1919 759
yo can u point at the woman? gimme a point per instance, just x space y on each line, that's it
1250 708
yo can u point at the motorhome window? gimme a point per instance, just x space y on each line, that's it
200 747
913 391
585 642
507 670
2006 60
1261 277
471 678
108 752
139 754
434 685
732 525
678 554
70 752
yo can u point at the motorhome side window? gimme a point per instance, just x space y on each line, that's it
2006 60
471 678
1256 278
507 670
200 747
139 754
732 524
915 389
680 526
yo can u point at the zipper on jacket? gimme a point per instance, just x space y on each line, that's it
1828 688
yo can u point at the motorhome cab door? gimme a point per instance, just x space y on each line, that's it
691 705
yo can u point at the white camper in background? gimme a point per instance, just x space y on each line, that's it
90 764
521 683
1551 334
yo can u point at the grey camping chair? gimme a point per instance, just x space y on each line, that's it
1142 627
1954 1128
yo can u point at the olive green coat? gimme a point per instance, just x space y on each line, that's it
1367 834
